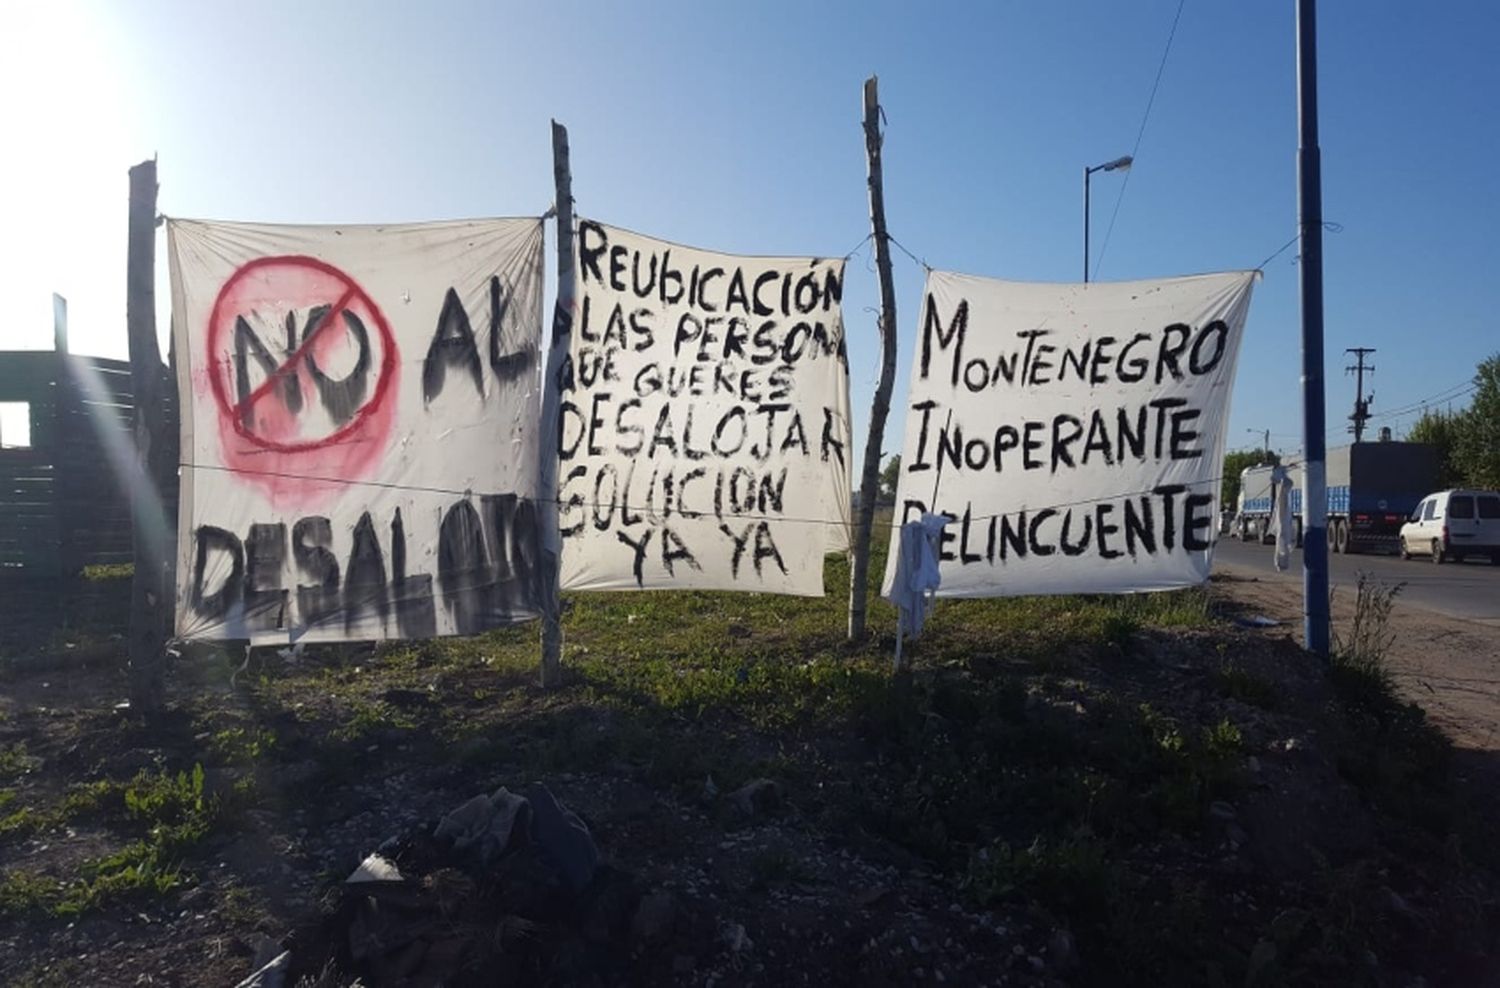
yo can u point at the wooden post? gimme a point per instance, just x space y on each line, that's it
66 409
557 354
151 597
860 570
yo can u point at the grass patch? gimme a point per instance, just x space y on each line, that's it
109 571
162 798
171 813
1239 684
1070 876
14 760
142 869
22 892
367 720
241 745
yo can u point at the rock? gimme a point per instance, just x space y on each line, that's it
654 917
756 796
1237 834
1063 950
1221 810
563 837
1396 905
486 824
1262 967
736 939
1288 927
870 896
1253 764
290 775
632 800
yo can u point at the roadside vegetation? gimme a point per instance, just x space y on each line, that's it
1160 797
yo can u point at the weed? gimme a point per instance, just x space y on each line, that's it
1070 876
163 798
1239 684
21 823
1117 629
22 891
139 870
89 798
239 907
1359 657
373 718
14 760
240 745
1223 742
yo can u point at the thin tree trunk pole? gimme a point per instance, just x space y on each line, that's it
859 572
557 354
150 597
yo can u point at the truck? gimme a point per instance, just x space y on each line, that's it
1372 489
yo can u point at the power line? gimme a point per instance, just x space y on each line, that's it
1145 117
1448 394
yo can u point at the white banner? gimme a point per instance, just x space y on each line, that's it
705 433
1074 433
359 428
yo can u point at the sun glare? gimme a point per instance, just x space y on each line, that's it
68 123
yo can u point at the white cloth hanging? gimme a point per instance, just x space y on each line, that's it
917 573
1282 524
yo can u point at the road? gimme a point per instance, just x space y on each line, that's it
1469 590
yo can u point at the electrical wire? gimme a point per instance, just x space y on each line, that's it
1447 394
925 266
651 510
1328 226
863 241
1457 391
1145 117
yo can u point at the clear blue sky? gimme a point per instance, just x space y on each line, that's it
736 127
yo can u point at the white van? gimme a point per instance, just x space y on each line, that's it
1452 525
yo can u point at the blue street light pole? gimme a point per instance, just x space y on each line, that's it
1310 208
1108 166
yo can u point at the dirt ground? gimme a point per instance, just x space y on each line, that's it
1153 802
1451 667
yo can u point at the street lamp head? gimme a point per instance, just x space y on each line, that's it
1121 162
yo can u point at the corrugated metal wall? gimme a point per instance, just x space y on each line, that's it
64 502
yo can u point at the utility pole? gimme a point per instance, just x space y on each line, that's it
1314 414
151 597
1361 403
859 569
557 354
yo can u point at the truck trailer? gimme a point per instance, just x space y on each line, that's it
1372 489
